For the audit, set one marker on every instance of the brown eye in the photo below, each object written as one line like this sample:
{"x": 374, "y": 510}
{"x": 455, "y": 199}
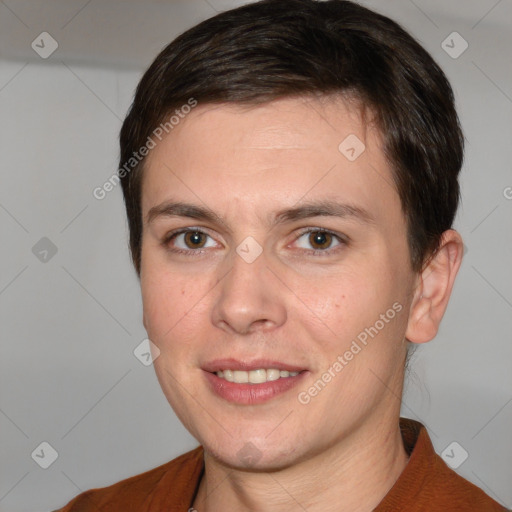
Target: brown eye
{"x": 194, "y": 239}
{"x": 320, "y": 239}
{"x": 188, "y": 241}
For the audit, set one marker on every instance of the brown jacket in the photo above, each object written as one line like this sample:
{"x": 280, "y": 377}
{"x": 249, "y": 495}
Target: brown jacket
{"x": 427, "y": 484}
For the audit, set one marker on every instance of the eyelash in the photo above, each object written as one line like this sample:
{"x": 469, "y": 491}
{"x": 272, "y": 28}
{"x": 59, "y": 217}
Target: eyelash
{"x": 342, "y": 239}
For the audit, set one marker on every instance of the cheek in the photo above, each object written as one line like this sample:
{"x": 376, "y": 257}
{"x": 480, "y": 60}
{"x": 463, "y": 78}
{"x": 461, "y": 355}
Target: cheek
{"x": 338, "y": 299}
{"x": 175, "y": 306}
{"x": 164, "y": 301}
{"x": 346, "y": 305}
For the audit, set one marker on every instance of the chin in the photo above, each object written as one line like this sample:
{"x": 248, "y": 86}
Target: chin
{"x": 256, "y": 455}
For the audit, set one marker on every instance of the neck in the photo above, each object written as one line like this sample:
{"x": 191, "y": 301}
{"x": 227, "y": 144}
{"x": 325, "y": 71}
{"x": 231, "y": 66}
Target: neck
{"x": 353, "y": 475}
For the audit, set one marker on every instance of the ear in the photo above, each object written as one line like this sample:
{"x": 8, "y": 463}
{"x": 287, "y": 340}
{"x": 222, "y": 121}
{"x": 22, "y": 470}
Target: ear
{"x": 433, "y": 289}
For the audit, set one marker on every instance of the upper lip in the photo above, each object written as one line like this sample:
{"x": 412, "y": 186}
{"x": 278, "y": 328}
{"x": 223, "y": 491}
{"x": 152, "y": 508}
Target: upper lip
{"x": 248, "y": 365}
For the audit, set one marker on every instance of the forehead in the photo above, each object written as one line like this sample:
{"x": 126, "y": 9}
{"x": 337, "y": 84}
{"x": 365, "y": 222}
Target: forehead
{"x": 279, "y": 152}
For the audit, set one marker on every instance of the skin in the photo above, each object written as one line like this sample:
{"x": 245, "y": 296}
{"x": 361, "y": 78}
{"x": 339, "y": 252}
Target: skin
{"x": 290, "y": 304}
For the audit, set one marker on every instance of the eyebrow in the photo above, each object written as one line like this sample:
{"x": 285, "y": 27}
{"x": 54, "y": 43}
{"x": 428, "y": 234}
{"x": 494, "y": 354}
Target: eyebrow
{"x": 308, "y": 209}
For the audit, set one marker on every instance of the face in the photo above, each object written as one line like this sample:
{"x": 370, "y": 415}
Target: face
{"x": 275, "y": 252}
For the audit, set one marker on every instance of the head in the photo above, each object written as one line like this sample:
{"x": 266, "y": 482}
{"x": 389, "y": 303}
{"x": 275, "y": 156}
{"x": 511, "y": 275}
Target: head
{"x": 292, "y": 106}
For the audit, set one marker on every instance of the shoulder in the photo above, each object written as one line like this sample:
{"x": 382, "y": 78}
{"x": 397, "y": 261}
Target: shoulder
{"x": 427, "y": 484}
{"x": 457, "y": 492}
{"x": 175, "y": 480}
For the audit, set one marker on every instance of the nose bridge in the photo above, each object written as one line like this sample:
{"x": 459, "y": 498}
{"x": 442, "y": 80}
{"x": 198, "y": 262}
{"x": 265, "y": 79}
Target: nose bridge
{"x": 247, "y": 274}
{"x": 247, "y": 295}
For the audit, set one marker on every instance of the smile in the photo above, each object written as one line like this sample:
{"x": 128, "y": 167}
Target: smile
{"x": 254, "y": 376}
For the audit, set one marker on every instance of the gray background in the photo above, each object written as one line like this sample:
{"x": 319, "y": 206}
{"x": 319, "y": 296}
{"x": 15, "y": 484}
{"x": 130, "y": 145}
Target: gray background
{"x": 70, "y": 323}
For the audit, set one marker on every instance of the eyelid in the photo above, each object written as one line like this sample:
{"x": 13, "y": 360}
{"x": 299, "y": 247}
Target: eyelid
{"x": 179, "y": 231}
{"x": 314, "y": 229}
{"x": 171, "y": 235}
{"x": 342, "y": 239}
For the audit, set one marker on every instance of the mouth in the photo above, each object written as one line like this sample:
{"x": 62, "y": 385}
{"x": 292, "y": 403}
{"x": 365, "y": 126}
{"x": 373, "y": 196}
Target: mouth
{"x": 254, "y": 376}
{"x": 250, "y": 383}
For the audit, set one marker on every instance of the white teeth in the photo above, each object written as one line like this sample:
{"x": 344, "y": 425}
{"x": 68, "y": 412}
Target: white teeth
{"x": 272, "y": 374}
{"x": 240, "y": 377}
{"x": 228, "y": 375}
{"x": 254, "y": 376}
{"x": 257, "y": 376}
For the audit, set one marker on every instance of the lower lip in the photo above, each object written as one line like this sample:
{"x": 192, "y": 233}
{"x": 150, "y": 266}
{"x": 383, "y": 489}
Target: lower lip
{"x": 250, "y": 394}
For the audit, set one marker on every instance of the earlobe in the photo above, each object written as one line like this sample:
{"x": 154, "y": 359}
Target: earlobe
{"x": 433, "y": 289}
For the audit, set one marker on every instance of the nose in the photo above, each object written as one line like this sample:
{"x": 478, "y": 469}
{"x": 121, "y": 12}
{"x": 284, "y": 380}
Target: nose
{"x": 250, "y": 298}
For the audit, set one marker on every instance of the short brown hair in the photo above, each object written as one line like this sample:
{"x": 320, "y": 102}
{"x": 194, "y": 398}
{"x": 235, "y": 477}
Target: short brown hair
{"x": 281, "y": 48}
